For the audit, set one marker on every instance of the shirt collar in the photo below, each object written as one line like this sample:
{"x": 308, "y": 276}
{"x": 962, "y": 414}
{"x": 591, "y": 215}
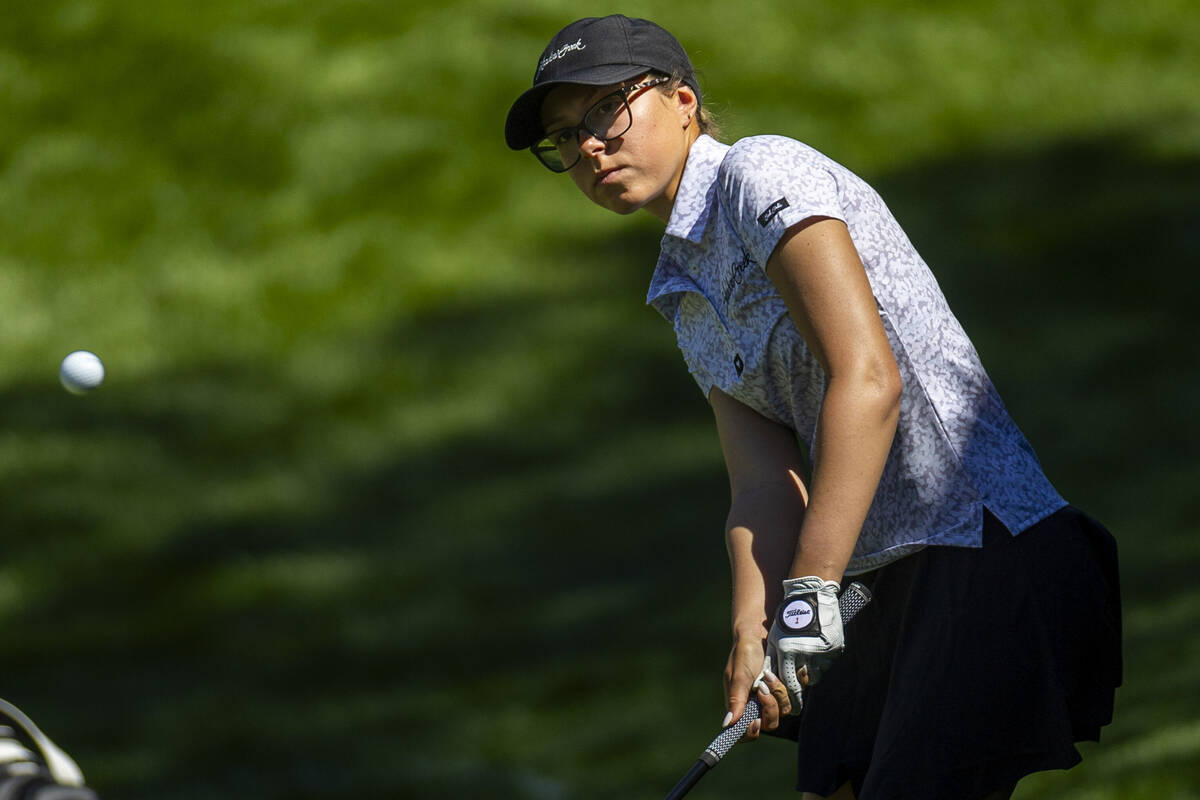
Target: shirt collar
{"x": 697, "y": 187}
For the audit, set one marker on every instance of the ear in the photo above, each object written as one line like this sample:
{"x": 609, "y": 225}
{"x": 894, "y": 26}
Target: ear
{"x": 685, "y": 104}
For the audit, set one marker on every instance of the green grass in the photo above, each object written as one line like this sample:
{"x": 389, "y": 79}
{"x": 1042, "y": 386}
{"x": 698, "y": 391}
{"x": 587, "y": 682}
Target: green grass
{"x": 395, "y": 487}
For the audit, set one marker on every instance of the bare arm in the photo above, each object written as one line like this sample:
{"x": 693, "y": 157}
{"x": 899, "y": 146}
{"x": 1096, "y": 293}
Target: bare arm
{"x": 821, "y": 278}
{"x": 770, "y": 535}
{"x": 765, "y": 513}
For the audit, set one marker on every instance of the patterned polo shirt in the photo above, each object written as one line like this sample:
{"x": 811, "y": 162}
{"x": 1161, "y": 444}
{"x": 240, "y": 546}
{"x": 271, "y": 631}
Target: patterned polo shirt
{"x": 956, "y": 449}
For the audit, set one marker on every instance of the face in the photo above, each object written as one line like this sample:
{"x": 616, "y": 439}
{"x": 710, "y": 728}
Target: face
{"x": 642, "y": 167}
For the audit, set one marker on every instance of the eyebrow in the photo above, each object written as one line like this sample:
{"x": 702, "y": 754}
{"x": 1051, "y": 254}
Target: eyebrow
{"x": 596, "y": 93}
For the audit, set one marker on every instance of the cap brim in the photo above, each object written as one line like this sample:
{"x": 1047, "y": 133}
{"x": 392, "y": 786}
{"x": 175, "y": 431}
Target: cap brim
{"x": 524, "y": 124}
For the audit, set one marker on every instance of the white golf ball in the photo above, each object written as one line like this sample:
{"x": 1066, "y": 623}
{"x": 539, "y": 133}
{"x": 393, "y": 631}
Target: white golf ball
{"x": 81, "y": 372}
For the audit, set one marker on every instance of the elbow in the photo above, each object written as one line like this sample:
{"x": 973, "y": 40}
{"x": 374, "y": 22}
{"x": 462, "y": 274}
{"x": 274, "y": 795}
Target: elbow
{"x": 878, "y": 386}
{"x": 889, "y": 386}
{"x": 886, "y": 387}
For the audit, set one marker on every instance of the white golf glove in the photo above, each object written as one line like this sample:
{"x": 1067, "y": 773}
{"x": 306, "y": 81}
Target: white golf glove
{"x": 806, "y": 634}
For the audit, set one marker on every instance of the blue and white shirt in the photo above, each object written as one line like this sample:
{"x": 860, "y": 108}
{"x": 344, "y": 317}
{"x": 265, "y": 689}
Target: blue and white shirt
{"x": 956, "y": 449}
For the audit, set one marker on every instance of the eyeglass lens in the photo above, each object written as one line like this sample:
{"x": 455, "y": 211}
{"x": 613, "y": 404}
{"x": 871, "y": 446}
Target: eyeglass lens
{"x": 607, "y": 119}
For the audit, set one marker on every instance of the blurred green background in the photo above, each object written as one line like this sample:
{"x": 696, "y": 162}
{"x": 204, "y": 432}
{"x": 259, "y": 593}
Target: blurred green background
{"x": 397, "y": 489}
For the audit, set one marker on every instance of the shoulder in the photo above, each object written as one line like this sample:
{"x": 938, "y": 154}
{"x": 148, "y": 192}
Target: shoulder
{"x": 763, "y": 154}
{"x": 766, "y": 183}
{"x": 772, "y": 163}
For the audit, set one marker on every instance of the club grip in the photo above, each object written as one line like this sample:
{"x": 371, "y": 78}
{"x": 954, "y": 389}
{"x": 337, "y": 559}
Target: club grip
{"x": 730, "y": 736}
{"x": 852, "y": 600}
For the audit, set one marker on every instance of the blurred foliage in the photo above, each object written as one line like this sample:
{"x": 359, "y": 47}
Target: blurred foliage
{"x": 396, "y": 489}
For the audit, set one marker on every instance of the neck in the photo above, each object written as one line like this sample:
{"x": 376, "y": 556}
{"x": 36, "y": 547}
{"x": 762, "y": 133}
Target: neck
{"x": 660, "y": 208}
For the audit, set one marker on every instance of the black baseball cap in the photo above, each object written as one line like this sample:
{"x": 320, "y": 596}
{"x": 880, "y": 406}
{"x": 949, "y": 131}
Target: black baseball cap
{"x": 596, "y": 51}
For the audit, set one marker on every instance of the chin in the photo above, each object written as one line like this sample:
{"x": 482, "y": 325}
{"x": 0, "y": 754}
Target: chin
{"x": 619, "y": 205}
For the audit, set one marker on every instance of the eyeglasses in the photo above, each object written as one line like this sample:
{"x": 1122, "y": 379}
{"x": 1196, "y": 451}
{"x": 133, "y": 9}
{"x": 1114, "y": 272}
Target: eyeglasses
{"x": 607, "y": 119}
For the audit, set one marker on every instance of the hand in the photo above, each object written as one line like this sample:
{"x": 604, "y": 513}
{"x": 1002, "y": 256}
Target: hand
{"x": 806, "y": 634}
{"x": 744, "y": 676}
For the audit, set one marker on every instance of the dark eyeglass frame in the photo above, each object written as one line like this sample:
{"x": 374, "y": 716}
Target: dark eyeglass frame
{"x": 537, "y": 148}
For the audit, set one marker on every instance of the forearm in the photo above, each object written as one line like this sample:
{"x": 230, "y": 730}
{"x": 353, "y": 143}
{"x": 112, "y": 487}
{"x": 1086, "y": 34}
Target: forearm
{"x": 854, "y": 435}
{"x": 761, "y": 535}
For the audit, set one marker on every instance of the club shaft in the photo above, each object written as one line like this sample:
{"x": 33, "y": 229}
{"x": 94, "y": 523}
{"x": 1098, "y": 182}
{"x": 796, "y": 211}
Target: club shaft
{"x": 689, "y": 780}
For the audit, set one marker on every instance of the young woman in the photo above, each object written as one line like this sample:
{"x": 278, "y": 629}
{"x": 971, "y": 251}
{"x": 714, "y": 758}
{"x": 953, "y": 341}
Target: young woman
{"x": 826, "y": 349}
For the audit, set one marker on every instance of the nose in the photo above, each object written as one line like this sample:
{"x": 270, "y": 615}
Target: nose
{"x": 590, "y": 145}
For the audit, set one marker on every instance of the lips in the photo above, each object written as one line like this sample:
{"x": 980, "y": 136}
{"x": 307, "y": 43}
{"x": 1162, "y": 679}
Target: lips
{"x": 604, "y": 176}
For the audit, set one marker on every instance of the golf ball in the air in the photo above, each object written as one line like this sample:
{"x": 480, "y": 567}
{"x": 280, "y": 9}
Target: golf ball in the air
{"x": 81, "y": 372}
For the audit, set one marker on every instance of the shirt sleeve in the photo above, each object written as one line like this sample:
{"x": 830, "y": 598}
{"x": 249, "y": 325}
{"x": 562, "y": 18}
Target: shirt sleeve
{"x": 770, "y": 183}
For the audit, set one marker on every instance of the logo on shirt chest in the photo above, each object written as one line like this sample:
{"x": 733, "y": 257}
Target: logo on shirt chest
{"x": 736, "y": 276}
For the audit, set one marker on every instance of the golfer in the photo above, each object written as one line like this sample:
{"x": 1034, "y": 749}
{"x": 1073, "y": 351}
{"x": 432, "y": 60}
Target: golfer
{"x": 862, "y": 438}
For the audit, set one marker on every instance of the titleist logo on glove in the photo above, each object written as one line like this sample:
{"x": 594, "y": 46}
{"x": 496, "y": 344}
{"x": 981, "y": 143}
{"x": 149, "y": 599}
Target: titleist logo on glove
{"x": 798, "y": 615}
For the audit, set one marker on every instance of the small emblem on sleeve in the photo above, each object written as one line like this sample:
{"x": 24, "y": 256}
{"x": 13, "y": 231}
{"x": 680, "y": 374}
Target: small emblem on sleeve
{"x": 772, "y": 211}
{"x": 738, "y": 364}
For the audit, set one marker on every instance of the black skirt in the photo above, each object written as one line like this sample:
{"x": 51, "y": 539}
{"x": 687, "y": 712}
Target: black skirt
{"x": 971, "y": 668}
